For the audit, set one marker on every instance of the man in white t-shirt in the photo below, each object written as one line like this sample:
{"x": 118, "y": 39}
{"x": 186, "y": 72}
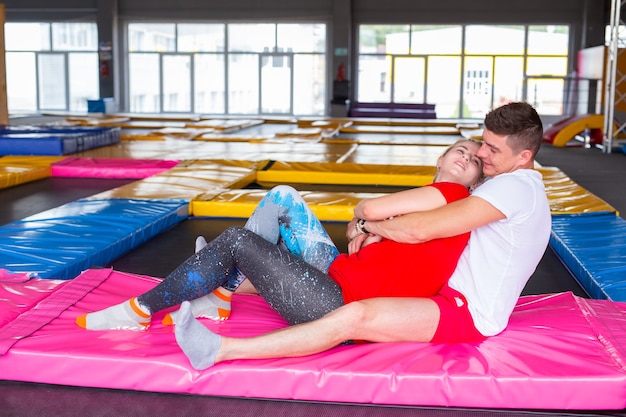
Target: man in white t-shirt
{"x": 509, "y": 219}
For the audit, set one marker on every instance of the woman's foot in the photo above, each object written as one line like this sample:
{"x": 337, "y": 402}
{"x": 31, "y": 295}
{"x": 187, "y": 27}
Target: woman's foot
{"x": 214, "y": 306}
{"x": 129, "y": 315}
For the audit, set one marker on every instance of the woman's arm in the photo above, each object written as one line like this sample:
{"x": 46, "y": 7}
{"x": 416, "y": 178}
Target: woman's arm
{"x": 402, "y": 202}
{"x": 392, "y": 205}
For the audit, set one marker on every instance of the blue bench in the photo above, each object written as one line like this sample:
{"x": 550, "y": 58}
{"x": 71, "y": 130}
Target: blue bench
{"x": 393, "y": 110}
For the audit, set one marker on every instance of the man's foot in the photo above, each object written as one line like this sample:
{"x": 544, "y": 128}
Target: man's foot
{"x": 197, "y": 342}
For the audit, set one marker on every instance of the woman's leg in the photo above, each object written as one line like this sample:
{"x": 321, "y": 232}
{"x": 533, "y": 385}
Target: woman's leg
{"x": 283, "y": 218}
{"x": 295, "y": 289}
{"x": 298, "y": 291}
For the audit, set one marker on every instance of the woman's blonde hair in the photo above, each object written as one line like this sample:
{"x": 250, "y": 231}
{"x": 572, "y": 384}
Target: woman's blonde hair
{"x": 481, "y": 176}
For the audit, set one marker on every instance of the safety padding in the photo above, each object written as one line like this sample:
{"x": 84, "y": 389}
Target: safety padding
{"x": 327, "y": 206}
{"x": 558, "y": 352}
{"x": 188, "y": 180}
{"x": 567, "y": 197}
{"x": 564, "y": 130}
{"x": 15, "y": 170}
{"x": 593, "y": 248}
{"x": 32, "y": 140}
{"x": 62, "y": 242}
{"x": 110, "y": 167}
{"x": 346, "y": 173}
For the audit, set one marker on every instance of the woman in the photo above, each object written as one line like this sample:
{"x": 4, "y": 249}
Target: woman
{"x": 286, "y": 254}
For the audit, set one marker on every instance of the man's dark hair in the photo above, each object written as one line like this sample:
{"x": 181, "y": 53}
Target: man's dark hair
{"x": 520, "y": 122}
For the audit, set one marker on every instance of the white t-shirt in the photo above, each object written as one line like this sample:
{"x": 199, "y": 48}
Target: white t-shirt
{"x": 501, "y": 256}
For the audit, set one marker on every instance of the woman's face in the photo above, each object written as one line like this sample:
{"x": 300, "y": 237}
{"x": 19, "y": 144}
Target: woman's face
{"x": 460, "y": 164}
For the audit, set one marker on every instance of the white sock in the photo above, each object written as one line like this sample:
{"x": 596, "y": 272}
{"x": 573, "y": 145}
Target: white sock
{"x": 214, "y": 306}
{"x": 197, "y": 342}
{"x": 129, "y": 315}
{"x": 200, "y": 243}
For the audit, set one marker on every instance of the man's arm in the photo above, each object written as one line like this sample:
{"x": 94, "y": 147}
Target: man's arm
{"x": 450, "y": 220}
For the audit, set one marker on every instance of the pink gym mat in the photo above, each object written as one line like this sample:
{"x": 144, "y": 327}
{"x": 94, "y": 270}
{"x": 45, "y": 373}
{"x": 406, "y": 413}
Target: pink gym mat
{"x": 110, "y": 167}
{"x": 559, "y": 352}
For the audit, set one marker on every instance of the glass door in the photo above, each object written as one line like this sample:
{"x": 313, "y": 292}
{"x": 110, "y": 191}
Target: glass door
{"x": 276, "y": 73}
{"x": 409, "y": 79}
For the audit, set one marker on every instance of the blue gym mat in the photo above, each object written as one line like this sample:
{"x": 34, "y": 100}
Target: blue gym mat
{"x": 31, "y": 140}
{"x": 593, "y": 248}
{"x": 62, "y": 242}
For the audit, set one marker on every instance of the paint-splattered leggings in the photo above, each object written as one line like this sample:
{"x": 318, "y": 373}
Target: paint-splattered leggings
{"x": 283, "y": 250}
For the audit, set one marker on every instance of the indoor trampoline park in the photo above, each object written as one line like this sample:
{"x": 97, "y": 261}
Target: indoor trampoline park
{"x": 129, "y": 128}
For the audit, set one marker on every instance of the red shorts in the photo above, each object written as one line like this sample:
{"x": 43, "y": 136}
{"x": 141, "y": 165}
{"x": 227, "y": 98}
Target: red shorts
{"x": 455, "y": 321}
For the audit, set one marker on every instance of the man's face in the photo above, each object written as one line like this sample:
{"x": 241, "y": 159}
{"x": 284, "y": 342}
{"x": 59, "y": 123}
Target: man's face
{"x": 497, "y": 155}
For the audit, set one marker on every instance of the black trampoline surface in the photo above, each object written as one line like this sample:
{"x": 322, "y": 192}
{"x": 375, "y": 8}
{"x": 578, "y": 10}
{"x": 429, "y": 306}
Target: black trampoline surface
{"x": 596, "y": 171}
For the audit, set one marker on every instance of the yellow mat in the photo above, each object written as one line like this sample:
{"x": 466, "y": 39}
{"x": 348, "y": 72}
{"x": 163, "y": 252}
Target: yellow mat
{"x": 394, "y": 154}
{"x": 567, "y": 197}
{"x": 166, "y": 133}
{"x": 248, "y": 151}
{"x": 327, "y": 206}
{"x": 346, "y": 173}
{"x": 402, "y": 130}
{"x": 225, "y": 125}
{"x": 188, "y": 180}
{"x": 15, "y": 170}
{"x": 392, "y": 139}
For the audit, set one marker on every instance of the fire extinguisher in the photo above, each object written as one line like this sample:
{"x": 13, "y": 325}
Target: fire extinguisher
{"x": 104, "y": 69}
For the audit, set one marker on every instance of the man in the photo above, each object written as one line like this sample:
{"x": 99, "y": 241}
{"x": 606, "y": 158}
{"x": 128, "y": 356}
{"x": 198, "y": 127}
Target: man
{"x": 509, "y": 219}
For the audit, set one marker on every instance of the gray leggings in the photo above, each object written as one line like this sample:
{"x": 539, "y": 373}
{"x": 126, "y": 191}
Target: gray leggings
{"x": 287, "y": 262}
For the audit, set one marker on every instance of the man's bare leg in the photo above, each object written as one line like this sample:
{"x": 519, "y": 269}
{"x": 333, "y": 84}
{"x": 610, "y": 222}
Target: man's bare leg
{"x": 376, "y": 320}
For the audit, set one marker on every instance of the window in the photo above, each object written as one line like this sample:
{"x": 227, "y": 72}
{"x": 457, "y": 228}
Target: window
{"x": 237, "y": 68}
{"x": 51, "y": 66}
{"x": 460, "y": 69}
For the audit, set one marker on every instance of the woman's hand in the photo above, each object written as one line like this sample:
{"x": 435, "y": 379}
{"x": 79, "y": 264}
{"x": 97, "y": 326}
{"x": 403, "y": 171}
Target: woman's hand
{"x": 361, "y": 241}
{"x": 351, "y": 231}
{"x": 371, "y": 238}
{"x": 354, "y": 245}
